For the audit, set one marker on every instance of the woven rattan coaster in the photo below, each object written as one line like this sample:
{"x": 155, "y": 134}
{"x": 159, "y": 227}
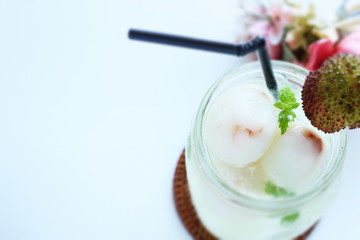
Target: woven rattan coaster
{"x": 186, "y": 209}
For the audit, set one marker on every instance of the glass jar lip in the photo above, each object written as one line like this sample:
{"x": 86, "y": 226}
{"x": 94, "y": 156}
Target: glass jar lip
{"x": 247, "y": 200}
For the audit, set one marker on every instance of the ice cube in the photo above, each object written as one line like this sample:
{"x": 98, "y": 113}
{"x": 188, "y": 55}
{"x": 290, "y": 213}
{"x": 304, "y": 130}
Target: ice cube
{"x": 241, "y": 124}
{"x": 295, "y": 159}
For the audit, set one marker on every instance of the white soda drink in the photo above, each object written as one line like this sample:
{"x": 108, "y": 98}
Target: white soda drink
{"x": 247, "y": 181}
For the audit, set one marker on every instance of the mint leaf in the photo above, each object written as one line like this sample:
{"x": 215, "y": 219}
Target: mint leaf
{"x": 287, "y": 104}
{"x": 294, "y": 105}
{"x": 280, "y": 105}
{"x": 275, "y": 191}
{"x": 290, "y": 218}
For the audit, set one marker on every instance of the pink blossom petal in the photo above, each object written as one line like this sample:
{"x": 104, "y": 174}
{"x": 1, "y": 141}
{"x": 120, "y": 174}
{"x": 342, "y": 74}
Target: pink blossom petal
{"x": 260, "y": 28}
{"x": 350, "y": 44}
{"x": 276, "y": 9}
{"x": 275, "y": 34}
{"x": 287, "y": 16}
{"x": 280, "y": 18}
{"x": 319, "y": 51}
{"x": 261, "y": 10}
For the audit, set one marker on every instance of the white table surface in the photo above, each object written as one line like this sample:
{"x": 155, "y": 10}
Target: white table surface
{"x": 92, "y": 124}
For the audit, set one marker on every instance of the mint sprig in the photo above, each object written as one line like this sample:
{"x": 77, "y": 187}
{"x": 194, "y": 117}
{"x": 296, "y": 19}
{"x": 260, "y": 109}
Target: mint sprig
{"x": 275, "y": 191}
{"x": 290, "y": 218}
{"x": 287, "y": 103}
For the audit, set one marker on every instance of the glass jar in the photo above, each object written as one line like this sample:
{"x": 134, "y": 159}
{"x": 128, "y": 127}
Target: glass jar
{"x": 230, "y": 214}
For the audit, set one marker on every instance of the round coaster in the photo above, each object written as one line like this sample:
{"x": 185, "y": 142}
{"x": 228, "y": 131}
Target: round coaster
{"x": 186, "y": 209}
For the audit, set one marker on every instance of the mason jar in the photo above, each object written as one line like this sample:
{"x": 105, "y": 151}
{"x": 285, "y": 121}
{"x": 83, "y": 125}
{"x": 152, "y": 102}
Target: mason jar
{"x": 229, "y": 213}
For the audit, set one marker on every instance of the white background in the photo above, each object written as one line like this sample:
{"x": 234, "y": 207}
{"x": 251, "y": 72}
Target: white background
{"x": 92, "y": 124}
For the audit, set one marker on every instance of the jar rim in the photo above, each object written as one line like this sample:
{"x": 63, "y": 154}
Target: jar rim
{"x": 248, "y": 200}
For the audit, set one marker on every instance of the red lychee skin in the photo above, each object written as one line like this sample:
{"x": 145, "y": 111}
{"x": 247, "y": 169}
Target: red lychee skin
{"x": 313, "y": 103}
{"x": 331, "y": 94}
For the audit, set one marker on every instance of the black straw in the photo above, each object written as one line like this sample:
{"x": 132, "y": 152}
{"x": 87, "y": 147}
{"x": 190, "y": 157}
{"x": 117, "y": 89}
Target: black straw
{"x": 258, "y": 43}
{"x": 267, "y": 71}
{"x": 200, "y": 44}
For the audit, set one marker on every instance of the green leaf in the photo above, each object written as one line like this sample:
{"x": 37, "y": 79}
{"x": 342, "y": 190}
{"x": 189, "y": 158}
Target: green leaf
{"x": 289, "y": 114}
{"x": 294, "y": 105}
{"x": 275, "y": 191}
{"x": 280, "y": 105}
{"x": 290, "y": 218}
{"x": 287, "y": 104}
{"x": 286, "y": 95}
{"x": 283, "y": 123}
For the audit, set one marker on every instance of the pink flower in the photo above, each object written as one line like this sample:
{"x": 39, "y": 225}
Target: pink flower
{"x": 280, "y": 17}
{"x": 270, "y": 23}
{"x": 350, "y": 44}
{"x": 324, "y": 48}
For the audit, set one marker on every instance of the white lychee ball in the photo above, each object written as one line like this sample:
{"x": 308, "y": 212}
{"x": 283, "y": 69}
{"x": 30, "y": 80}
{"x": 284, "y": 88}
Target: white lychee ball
{"x": 240, "y": 125}
{"x": 295, "y": 159}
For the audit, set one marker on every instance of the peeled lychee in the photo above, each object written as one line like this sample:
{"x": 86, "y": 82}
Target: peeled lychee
{"x": 240, "y": 125}
{"x": 295, "y": 159}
